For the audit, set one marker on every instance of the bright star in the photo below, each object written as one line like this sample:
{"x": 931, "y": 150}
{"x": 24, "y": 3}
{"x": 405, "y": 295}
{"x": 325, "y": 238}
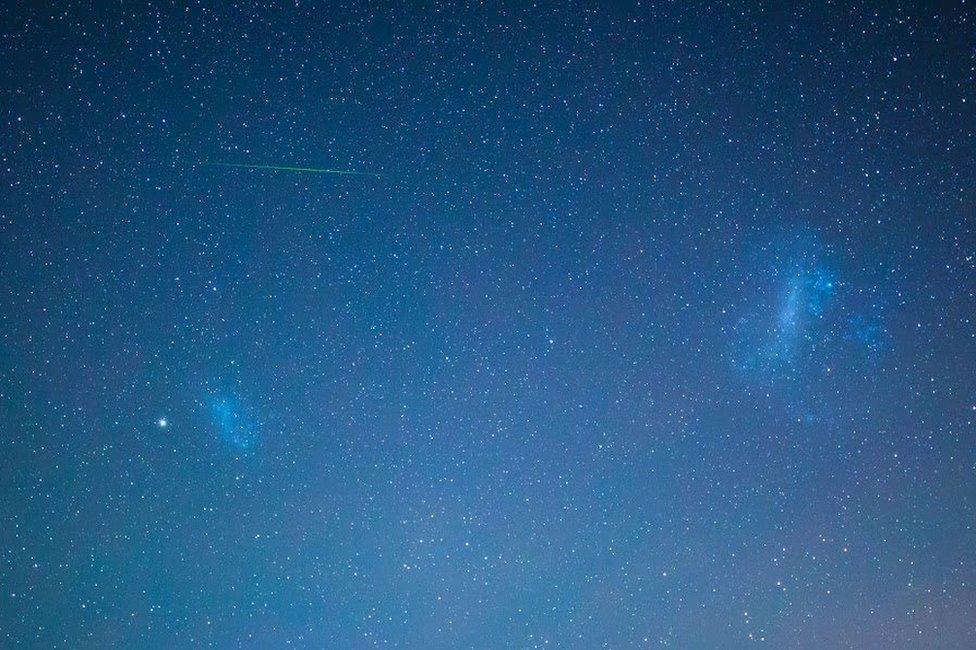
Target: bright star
{"x": 162, "y": 423}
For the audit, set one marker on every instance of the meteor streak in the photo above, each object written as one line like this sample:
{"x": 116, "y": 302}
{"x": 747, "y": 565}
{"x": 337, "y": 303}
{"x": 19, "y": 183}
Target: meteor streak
{"x": 283, "y": 168}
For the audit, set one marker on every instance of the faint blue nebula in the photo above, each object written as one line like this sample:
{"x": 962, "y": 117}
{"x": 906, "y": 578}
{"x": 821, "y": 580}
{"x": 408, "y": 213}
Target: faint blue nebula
{"x": 235, "y": 424}
{"x": 805, "y": 296}
{"x": 802, "y": 319}
{"x": 775, "y": 337}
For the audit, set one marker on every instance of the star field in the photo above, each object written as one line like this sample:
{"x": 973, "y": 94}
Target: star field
{"x": 626, "y": 325}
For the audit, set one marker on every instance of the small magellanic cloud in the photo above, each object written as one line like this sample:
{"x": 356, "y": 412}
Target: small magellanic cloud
{"x": 236, "y": 425}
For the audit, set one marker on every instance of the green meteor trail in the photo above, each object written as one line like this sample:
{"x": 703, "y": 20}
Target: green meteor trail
{"x": 283, "y": 168}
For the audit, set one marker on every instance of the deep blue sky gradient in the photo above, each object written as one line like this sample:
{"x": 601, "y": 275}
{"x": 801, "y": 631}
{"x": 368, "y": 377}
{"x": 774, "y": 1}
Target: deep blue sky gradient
{"x": 655, "y": 329}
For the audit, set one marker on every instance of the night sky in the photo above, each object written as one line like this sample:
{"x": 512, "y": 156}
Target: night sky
{"x": 636, "y": 325}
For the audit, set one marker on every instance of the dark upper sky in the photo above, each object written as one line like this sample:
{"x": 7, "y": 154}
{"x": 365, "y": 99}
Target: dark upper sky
{"x": 655, "y": 326}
